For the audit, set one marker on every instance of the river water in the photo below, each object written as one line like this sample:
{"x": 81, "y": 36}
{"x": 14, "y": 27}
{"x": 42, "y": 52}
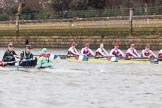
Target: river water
{"x": 81, "y": 85}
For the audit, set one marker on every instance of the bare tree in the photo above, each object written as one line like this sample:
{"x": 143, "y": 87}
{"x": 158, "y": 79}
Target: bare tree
{"x": 65, "y": 5}
{"x": 8, "y": 5}
{"x": 33, "y": 6}
{"x": 78, "y": 4}
{"x": 21, "y": 5}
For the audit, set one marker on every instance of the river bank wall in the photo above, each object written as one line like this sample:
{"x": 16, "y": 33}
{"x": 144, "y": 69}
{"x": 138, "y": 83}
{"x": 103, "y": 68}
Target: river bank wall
{"x": 94, "y": 41}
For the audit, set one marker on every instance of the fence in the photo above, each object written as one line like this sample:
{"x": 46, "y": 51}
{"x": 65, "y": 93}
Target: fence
{"x": 86, "y": 23}
{"x": 85, "y": 14}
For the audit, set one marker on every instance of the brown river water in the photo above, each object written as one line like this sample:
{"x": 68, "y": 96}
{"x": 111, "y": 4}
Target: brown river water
{"x": 81, "y": 85}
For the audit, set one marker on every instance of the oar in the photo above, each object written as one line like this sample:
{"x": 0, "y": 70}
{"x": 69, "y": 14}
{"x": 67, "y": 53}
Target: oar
{"x": 115, "y": 58}
{"x": 135, "y": 58}
{"x": 160, "y": 59}
{"x": 98, "y": 57}
{"x": 2, "y": 63}
{"x": 152, "y": 60}
{"x": 143, "y": 58}
{"x": 55, "y": 56}
{"x": 5, "y": 63}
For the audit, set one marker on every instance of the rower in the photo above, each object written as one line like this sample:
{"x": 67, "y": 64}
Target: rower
{"x": 101, "y": 52}
{"x": 132, "y": 52}
{"x": 116, "y": 51}
{"x": 10, "y": 55}
{"x": 44, "y": 60}
{"x": 27, "y": 58}
{"x": 87, "y": 51}
{"x": 72, "y": 51}
{"x": 160, "y": 54}
{"x": 147, "y": 53}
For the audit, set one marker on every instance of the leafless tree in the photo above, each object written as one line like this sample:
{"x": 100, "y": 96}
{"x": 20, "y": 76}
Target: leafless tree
{"x": 8, "y": 5}
{"x": 65, "y": 5}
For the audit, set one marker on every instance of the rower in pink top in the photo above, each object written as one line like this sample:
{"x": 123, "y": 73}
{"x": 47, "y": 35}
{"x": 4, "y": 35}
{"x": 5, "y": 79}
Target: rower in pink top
{"x": 147, "y": 52}
{"x": 132, "y": 52}
{"x": 101, "y": 52}
{"x": 116, "y": 51}
{"x": 87, "y": 51}
{"x": 72, "y": 51}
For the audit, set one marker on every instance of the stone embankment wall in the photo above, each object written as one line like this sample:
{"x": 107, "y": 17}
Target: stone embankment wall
{"x": 94, "y": 41}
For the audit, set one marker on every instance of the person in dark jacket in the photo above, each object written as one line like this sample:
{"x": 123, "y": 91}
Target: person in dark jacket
{"x": 10, "y": 55}
{"x": 27, "y": 58}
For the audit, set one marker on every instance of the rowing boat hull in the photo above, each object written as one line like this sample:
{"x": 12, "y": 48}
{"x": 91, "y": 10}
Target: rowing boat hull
{"x": 93, "y": 60}
{"x": 25, "y": 69}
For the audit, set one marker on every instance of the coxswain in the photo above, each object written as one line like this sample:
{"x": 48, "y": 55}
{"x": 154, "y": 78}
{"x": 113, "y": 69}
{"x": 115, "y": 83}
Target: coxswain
{"x": 44, "y": 60}
{"x": 116, "y": 51}
{"x": 87, "y": 51}
{"x": 132, "y": 52}
{"x": 101, "y": 52}
{"x": 10, "y": 55}
{"x": 27, "y": 58}
{"x": 147, "y": 53}
{"x": 72, "y": 51}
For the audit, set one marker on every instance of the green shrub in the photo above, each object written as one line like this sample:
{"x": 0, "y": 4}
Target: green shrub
{"x": 4, "y": 17}
{"x": 26, "y": 17}
{"x": 43, "y": 16}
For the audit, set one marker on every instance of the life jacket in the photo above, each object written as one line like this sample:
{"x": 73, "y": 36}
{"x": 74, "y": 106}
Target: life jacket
{"x": 25, "y": 56}
{"x": 116, "y": 54}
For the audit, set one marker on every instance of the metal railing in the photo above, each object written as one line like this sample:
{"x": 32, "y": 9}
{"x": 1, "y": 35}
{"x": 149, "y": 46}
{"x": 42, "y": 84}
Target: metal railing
{"x": 91, "y": 22}
{"x": 140, "y": 11}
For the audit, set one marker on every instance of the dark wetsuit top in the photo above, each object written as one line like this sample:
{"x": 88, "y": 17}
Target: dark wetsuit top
{"x": 9, "y": 56}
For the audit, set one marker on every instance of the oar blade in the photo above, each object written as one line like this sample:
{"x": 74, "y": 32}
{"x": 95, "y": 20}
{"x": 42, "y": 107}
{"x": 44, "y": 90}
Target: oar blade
{"x": 154, "y": 61}
{"x": 113, "y": 59}
{"x": 56, "y": 57}
{"x": 81, "y": 57}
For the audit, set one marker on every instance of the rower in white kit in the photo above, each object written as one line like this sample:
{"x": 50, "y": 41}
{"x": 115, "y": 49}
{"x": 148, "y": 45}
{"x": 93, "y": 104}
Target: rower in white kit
{"x": 101, "y": 52}
{"x": 87, "y": 51}
{"x": 72, "y": 51}
{"x": 147, "y": 53}
{"x": 116, "y": 51}
{"x": 132, "y": 52}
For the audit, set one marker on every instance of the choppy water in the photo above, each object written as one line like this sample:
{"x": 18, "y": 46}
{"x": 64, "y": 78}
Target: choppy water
{"x": 82, "y": 85}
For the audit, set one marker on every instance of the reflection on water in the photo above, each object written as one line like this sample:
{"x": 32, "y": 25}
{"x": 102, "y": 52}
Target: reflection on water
{"x": 82, "y": 85}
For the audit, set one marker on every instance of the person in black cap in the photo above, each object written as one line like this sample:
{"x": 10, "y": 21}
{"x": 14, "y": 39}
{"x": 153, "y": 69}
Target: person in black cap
{"x": 26, "y": 57}
{"x": 10, "y": 55}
